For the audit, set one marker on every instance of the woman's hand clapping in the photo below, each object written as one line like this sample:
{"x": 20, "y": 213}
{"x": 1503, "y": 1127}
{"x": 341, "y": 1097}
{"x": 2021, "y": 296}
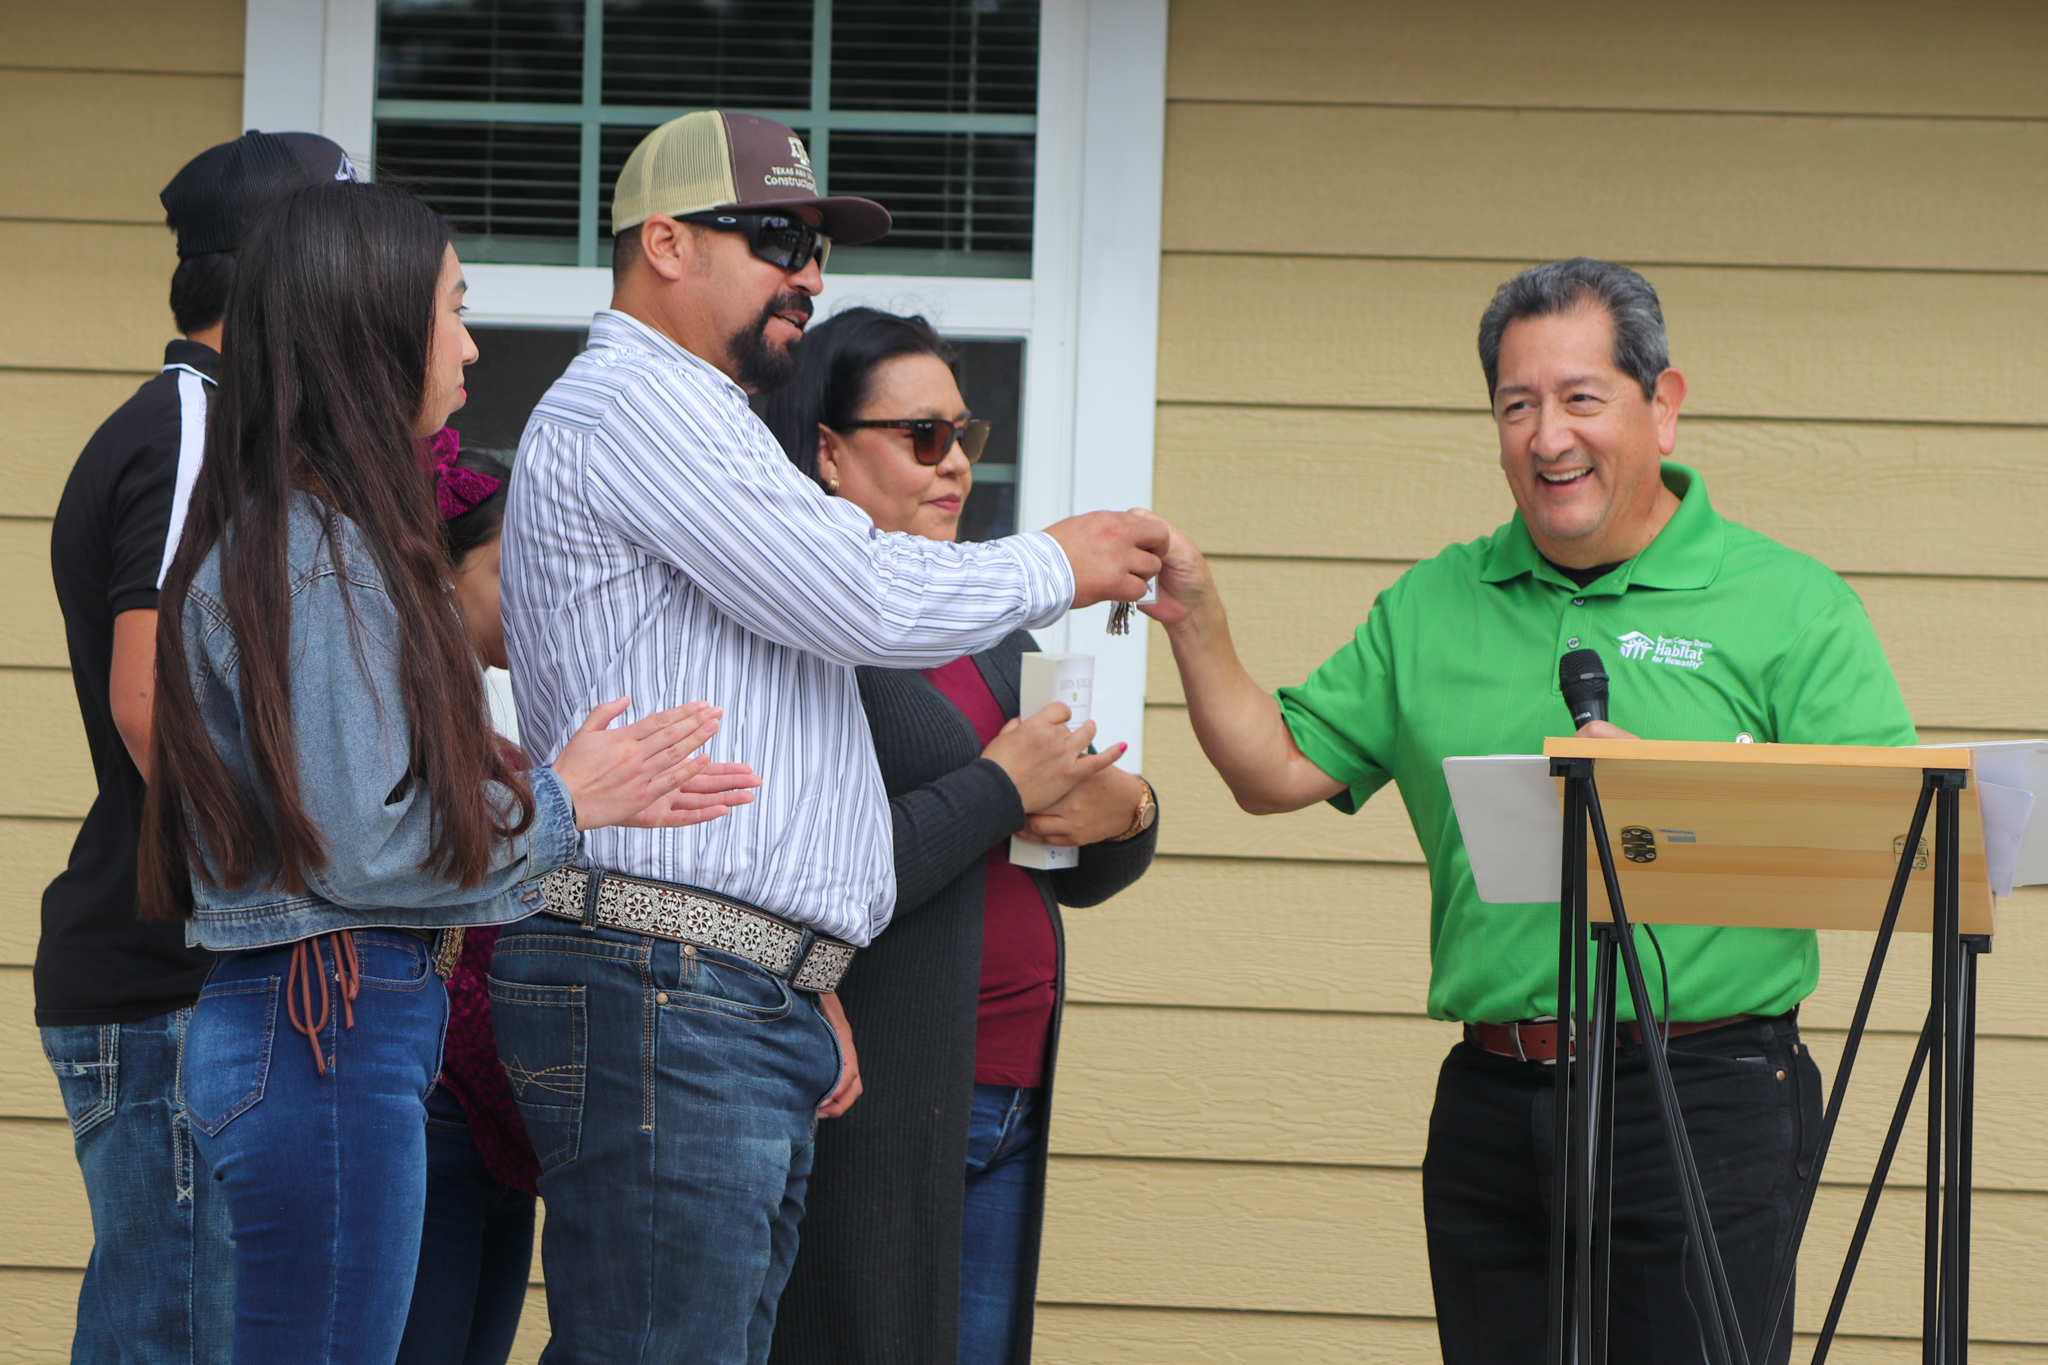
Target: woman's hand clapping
{"x": 646, "y": 774}
{"x": 708, "y": 795}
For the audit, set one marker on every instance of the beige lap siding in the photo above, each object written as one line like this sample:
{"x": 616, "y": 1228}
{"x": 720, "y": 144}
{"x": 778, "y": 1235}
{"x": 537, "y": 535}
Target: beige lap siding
{"x": 1841, "y": 204}
{"x": 103, "y": 100}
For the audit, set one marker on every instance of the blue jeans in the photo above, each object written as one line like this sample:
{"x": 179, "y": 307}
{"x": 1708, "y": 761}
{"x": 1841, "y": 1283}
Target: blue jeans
{"x": 1003, "y": 1138}
{"x": 475, "y": 1252}
{"x": 325, "y": 1175}
{"x": 671, "y": 1094}
{"x": 160, "y": 1285}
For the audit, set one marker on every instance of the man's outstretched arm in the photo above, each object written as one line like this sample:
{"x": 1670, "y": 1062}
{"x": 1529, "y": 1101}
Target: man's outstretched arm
{"x": 1237, "y": 722}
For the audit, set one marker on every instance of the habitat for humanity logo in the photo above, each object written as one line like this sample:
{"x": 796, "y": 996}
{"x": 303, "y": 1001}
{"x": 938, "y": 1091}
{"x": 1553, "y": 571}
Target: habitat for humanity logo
{"x": 1675, "y": 650}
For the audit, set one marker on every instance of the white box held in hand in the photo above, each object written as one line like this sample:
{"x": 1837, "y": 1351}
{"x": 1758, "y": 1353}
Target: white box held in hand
{"x": 1042, "y": 680}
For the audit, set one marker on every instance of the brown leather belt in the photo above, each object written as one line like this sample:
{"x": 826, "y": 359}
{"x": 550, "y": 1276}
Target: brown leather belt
{"x": 1536, "y": 1041}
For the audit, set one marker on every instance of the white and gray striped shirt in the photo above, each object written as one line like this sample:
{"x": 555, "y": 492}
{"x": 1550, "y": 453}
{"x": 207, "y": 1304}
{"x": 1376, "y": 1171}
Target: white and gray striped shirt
{"x": 659, "y": 545}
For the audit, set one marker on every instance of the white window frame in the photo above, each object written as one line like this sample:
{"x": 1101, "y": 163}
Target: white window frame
{"x": 1089, "y": 314}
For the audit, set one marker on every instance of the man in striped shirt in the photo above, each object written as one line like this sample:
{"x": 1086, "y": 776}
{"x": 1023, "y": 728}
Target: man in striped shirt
{"x": 670, "y": 1057}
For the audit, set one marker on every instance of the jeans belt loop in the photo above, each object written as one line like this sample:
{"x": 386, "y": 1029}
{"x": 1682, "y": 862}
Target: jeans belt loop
{"x": 803, "y": 950}
{"x": 593, "y": 881}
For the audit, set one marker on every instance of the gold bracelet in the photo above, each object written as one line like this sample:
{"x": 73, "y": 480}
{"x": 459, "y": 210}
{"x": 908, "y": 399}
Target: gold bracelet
{"x": 1142, "y": 818}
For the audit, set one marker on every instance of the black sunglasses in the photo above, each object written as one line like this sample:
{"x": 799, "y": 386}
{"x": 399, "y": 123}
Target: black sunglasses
{"x": 932, "y": 437}
{"x": 783, "y": 240}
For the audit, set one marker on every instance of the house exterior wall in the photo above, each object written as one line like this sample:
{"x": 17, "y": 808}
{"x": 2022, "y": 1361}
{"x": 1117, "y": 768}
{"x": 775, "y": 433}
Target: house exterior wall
{"x": 1842, "y": 205}
{"x": 102, "y": 101}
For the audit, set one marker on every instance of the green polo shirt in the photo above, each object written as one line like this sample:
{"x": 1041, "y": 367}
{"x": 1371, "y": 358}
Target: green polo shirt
{"x": 1712, "y": 631}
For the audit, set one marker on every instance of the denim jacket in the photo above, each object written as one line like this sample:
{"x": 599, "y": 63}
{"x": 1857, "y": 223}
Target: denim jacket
{"x": 349, "y": 724}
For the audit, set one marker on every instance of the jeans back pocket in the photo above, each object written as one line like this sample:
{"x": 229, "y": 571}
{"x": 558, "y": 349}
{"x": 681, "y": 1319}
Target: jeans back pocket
{"x": 227, "y": 1054}
{"x": 87, "y": 1060}
{"x": 542, "y": 1040}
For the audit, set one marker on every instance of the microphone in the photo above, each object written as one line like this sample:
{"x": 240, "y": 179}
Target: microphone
{"x": 1583, "y": 679}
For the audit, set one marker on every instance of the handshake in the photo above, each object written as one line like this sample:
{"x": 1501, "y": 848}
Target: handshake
{"x": 1114, "y": 555}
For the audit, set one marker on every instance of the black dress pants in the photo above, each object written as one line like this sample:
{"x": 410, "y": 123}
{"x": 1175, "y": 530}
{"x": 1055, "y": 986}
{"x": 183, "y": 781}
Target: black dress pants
{"x": 1751, "y": 1096}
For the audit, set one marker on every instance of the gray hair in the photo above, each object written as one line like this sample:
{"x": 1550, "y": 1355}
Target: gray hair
{"x": 1640, "y": 348}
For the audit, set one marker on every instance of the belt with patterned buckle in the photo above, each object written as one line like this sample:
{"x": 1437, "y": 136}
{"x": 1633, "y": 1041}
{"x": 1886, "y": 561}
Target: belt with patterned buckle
{"x": 805, "y": 958}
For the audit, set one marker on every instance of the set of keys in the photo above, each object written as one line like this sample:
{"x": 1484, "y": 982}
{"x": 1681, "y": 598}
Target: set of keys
{"x": 1120, "y": 612}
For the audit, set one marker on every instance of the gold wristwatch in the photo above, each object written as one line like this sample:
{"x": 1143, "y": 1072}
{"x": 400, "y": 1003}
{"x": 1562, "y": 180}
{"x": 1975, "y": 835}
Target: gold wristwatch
{"x": 1141, "y": 820}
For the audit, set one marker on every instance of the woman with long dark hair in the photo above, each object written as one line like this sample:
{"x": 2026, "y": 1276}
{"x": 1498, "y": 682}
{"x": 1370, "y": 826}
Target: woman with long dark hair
{"x": 920, "y": 1235}
{"x": 328, "y": 805}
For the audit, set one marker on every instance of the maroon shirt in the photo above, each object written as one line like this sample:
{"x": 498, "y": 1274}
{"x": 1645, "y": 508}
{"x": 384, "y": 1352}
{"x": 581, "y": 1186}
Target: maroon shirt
{"x": 470, "y": 1070}
{"x": 1019, "y": 956}
{"x": 469, "y": 1056}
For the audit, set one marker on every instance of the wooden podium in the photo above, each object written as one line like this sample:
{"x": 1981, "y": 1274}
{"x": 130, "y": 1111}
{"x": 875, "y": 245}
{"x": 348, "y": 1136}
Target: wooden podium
{"x": 1781, "y": 836}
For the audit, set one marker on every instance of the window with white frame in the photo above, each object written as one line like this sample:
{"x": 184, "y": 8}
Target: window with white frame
{"x": 514, "y": 117}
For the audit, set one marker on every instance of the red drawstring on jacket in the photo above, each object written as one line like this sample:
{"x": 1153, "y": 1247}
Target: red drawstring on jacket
{"x": 298, "y": 988}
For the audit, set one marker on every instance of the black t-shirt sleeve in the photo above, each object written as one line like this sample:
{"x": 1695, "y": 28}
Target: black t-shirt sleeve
{"x": 139, "y": 514}
{"x": 95, "y": 962}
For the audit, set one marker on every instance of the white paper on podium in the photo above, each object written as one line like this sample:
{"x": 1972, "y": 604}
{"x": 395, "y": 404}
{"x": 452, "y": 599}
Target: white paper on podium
{"x": 2005, "y": 812}
{"x": 2014, "y": 843}
{"x": 1514, "y": 830}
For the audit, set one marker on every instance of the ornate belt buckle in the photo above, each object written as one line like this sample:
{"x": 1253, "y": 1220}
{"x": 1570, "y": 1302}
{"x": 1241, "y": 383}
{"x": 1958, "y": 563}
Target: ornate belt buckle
{"x": 447, "y": 949}
{"x": 820, "y": 965}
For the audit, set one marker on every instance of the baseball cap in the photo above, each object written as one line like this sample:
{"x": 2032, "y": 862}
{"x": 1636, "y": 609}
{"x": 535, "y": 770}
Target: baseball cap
{"x": 715, "y": 160}
{"x": 210, "y": 200}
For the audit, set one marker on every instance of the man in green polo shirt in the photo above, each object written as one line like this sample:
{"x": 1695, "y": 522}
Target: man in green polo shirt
{"x": 1709, "y": 631}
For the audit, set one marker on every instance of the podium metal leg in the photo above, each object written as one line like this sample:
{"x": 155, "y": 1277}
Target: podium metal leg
{"x": 1599, "y": 1084}
{"x": 1593, "y": 1175}
{"x": 1724, "y": 1330}
{"x": 1592, "y": 1157}
{"x": 1585, "y": 1023}
{"x": 1974, "y": 946}
{"x": 1892, "y": 1136}
{"x": 1782, "y": 1278}
{"x": 1562, "y": 1346}
{"x": 1944, "y": 1106}
{"x": 1947, "y": 1051}
{"x": 1955, "y": 989}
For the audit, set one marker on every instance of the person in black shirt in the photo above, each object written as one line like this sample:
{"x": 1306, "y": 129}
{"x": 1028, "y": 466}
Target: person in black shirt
{"x": 113, "y": 992}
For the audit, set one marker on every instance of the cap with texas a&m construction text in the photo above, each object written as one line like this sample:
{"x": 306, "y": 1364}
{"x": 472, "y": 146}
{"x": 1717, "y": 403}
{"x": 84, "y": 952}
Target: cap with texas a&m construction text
{"x": 715, "y": 160}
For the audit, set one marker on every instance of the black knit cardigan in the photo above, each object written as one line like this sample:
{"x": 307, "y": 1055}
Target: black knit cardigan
{"x": 877, "y": 1276}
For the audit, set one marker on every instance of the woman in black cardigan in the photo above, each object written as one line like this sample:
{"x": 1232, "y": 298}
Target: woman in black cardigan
{"x": 919, "y": 1243}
